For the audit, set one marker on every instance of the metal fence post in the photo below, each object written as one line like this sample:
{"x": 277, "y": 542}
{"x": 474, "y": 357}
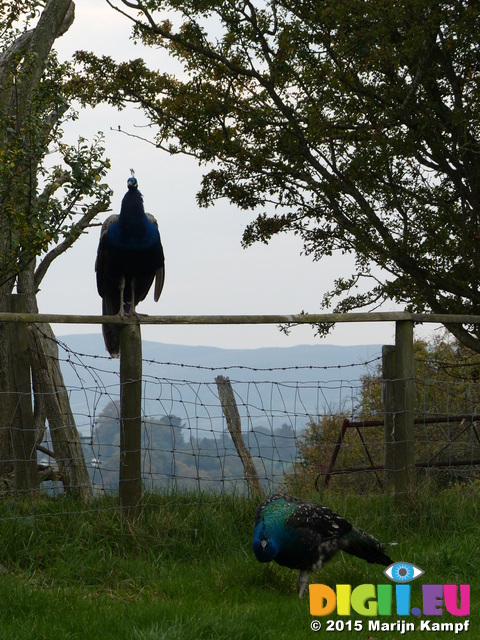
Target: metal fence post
{"x": 130, "y": 478}
{"x": 404, "y": 413}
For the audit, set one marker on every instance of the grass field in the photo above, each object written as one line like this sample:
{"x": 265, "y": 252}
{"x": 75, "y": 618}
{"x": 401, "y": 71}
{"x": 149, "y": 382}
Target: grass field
{"x": 186, "y": 570}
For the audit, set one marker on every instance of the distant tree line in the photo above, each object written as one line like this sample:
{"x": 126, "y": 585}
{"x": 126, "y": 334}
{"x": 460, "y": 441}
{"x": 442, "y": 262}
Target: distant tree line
{"x": 173, "y": 456}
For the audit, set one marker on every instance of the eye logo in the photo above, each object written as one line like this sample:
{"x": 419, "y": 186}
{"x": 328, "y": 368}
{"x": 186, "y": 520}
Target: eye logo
{"x": 403, "y": 572}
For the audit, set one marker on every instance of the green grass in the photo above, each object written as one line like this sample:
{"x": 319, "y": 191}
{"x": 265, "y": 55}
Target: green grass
{"x": 186, "y": 570}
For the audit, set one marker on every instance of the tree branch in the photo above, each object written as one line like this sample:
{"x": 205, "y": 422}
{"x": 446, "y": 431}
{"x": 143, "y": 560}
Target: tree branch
{"x": 75, "y": 231}
{"x": 54, "y": 21}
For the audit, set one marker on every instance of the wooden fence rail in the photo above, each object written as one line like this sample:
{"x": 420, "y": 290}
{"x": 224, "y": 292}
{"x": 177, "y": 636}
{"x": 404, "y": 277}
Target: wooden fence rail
{"x": 294, "y": 319}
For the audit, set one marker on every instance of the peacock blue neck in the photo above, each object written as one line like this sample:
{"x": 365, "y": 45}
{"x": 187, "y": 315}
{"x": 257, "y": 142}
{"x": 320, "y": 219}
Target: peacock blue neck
{"x": 132, "y": 207}
{"x": 271, "y": 530}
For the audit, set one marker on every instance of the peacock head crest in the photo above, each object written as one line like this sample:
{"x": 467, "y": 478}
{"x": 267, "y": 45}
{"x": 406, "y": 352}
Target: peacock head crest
{"x": 132, "y": 182}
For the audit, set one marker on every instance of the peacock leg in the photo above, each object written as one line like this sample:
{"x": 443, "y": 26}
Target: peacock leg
{"x": 133, "y": 311}
{"x": 302, "y": 582}
{"x": 121, "y": 311}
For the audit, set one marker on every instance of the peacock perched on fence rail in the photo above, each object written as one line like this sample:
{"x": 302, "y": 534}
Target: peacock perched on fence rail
{"x": 129, "y": 257}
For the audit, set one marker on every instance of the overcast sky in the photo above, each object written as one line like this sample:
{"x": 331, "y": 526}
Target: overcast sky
{"x": 207, "y": 271}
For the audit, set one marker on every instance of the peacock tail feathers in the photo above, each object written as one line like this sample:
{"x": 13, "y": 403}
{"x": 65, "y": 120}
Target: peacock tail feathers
{"x": 361, "y": 544}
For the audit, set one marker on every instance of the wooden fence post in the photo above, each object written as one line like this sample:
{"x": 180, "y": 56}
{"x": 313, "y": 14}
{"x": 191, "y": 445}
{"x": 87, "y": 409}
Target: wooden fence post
{"x": 130, "y": 477}
{"x": 388, "y": 396}
{"x": 404, "y": 413}
{"x": 24, "y": 442}
{"x": 234, "y": 424}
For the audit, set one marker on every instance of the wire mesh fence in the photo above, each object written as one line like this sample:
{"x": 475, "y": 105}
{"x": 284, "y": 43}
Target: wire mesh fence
{"x": 302, "y": 424}
{"x": 185, "y": 439}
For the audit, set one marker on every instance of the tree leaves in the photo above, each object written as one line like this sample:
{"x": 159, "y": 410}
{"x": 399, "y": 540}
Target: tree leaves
{"x": 353, "y": 124}
{"x": 38, "y": 205}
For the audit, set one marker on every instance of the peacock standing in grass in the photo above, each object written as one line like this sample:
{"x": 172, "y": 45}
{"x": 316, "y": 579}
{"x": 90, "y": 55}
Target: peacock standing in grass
{"x": 304, "y": 536}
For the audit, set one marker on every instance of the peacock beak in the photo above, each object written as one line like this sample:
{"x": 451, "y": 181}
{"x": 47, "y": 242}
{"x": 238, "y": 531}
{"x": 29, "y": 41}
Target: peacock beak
{"x": 263, "y": 544}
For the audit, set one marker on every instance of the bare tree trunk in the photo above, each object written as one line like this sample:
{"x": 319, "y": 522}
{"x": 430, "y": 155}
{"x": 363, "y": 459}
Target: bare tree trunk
{"x": 65, "y": 438}
{"x": 50, "y": 390}
{"x": 22, "y": 429}
{"x": 6, "y": 410}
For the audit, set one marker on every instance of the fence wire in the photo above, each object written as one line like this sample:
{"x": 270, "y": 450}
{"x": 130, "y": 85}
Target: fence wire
{"x": 291, "y": 416}
{"x": 185, "y": 440}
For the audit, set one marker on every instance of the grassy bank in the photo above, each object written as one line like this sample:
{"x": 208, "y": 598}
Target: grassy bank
{"x": 187, "y": 569}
